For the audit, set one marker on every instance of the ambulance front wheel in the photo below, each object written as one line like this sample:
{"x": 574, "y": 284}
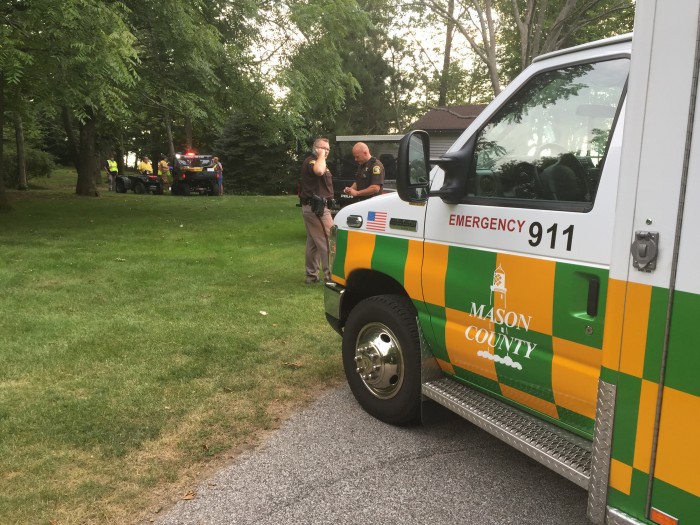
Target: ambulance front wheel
{"x": 381, "y": 358}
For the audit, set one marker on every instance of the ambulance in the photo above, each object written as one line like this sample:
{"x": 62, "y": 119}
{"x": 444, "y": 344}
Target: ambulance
{"x": 541, "y": 278}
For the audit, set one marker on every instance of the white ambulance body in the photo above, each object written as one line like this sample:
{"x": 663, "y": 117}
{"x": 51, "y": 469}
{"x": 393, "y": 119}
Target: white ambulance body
{"x": 541, "y": 281}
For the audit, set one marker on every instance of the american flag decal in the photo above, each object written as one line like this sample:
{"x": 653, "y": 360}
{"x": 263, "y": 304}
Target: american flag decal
{"x": 376, "y": 220}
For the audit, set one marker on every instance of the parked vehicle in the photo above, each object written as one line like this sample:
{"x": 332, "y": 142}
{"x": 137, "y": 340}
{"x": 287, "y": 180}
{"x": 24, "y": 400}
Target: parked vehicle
{"x": 194, "y": 173}
{"x": 140, "y": 183}
{"x": 344, "y": 167}
{"x": 540, "y": 278}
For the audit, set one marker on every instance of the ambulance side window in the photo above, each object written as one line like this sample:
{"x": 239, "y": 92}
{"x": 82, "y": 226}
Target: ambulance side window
{"x": 547, "y": 144}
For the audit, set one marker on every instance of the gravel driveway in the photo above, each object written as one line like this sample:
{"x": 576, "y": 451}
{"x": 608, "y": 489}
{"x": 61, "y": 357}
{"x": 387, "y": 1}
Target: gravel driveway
{"x": 332, "y": 463}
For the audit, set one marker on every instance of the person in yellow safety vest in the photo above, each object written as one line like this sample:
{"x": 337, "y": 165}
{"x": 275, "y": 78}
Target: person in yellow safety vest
{"x": 145, "y": 166}
{"x": 112, "y": 171}
{"x": 164, "y": 172}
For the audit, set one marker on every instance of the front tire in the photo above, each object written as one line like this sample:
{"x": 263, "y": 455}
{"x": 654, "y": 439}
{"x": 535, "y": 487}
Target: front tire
{"x": 139, "y": 188}
{"x": 381, "y": 358}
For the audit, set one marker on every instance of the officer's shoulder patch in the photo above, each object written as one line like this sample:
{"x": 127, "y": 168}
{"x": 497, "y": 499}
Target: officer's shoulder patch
{"x": 376, "y": 170}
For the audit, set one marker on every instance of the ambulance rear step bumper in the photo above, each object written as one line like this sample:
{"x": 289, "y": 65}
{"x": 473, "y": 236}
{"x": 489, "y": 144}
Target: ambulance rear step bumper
{"x": 561, "y": 451}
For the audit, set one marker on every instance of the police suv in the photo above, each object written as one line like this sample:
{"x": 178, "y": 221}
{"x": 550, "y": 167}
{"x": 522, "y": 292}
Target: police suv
{"x": 194, "y": 173}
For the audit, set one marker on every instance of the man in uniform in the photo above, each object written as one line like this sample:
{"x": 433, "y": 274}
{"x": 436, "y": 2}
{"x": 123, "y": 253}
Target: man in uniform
{"x": 369, "y": 178}
{"x": 315, "y": 189}
{"x": 112, "y": 171}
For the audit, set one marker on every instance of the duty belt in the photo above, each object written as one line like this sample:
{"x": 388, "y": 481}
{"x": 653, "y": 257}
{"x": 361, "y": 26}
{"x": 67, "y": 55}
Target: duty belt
{"x": 306, "y": 201}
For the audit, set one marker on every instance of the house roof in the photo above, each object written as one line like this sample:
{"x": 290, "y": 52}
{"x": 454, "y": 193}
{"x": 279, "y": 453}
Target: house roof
{"x": 448, "y": 118}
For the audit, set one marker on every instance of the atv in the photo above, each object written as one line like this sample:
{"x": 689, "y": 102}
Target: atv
{"x": 141, "y": 183}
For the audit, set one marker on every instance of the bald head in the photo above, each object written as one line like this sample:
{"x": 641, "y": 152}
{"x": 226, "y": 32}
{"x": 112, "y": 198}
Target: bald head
{"x": 360, "y": 153}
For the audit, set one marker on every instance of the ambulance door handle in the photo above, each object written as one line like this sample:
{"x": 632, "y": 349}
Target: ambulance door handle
{"x": 645, "y": 249}
{"x": 593, "y": 293}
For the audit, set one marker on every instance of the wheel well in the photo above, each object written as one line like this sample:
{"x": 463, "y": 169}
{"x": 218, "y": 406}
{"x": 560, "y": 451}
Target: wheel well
{"x": 367, "y": 283}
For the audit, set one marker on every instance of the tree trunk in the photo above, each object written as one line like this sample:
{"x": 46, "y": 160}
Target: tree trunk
{"x": 488, "y": 25}
{"x": 21, "y": 158}
{"x": 119, "y": 157}
{"x": 478, "y": 28}
{"x": 188, "y": 132}
{"x": 4, "y": 202}
{"x": 86, "y": 160}
{"x": 169, "y": 134}
{"x": 442, "y": 98}
{"x": 396, "y": 99}
{"x": 96, "y": 165}
{"x": 70, "y": 135}
{"x": 83, "y": 151}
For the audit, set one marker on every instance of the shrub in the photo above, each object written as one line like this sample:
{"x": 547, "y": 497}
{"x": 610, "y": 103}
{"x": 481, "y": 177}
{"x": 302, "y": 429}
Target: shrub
{"x": 39, "y": 164}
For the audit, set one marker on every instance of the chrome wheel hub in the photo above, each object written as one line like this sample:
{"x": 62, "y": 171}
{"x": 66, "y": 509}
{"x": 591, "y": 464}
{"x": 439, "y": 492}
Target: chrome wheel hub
{"x": 379, "y": 360}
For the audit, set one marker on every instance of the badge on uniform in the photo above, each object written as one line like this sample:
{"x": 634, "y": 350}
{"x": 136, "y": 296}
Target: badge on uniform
{"x": 376, "y": 170}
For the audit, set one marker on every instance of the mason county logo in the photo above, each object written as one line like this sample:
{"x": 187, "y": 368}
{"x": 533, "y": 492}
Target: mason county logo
{"x": 514, "y": 348}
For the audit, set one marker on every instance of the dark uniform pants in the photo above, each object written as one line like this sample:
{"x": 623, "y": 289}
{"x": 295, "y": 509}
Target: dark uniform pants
{"x": 317, "y": 231}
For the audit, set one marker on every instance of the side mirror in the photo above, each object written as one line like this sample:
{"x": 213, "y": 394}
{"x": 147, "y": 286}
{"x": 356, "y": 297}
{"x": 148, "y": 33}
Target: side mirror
{"x": 458, "y": 168}
{"x": 414, "y": 163}
{"x": 413, "y": 167}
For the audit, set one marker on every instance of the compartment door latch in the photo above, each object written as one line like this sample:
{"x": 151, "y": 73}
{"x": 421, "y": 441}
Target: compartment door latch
{"x": 645, "y": 249}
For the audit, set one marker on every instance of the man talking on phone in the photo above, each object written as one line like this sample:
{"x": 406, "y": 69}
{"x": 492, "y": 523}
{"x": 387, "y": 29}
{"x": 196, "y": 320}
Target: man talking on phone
{"x": 315, "y": 190}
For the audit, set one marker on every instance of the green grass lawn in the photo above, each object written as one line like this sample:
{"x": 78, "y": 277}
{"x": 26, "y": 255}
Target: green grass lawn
{"x": 143, "y": 341}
